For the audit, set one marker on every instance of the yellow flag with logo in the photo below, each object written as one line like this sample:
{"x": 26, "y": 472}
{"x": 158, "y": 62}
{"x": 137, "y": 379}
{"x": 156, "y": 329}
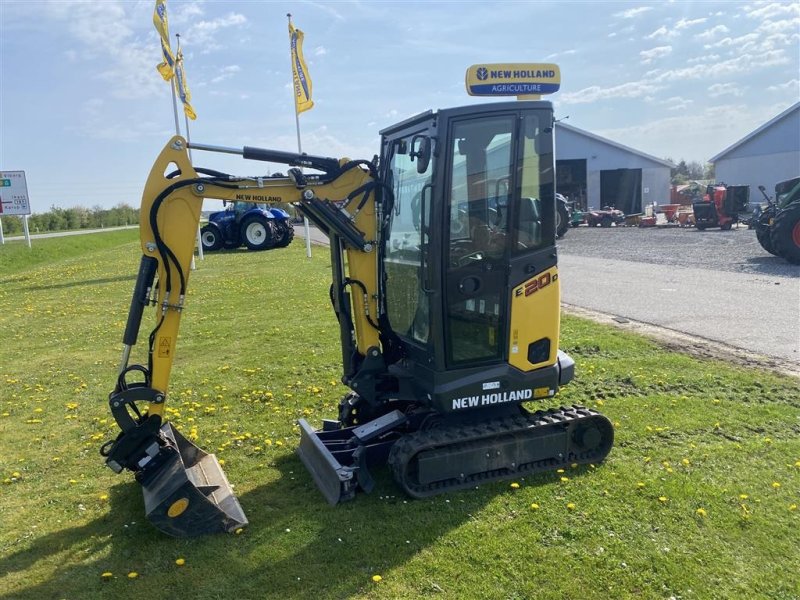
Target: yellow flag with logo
{"x": 183, "y": 88}
{"x": 167, "y": 66}
{"x": 300, "y": 78}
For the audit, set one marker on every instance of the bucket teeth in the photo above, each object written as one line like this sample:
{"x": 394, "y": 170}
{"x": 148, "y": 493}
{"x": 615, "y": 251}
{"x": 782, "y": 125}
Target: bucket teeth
{"x": 188, "y": 493}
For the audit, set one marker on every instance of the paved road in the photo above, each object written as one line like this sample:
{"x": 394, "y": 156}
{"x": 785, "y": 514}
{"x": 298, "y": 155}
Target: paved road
{"x": 734, "y": 292}
{"x": 65, "y": 233}
{"x": 716, "y": 285}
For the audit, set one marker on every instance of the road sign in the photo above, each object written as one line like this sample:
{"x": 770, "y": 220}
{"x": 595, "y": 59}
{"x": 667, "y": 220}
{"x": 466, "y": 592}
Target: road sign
{"x": 14, "y": 193}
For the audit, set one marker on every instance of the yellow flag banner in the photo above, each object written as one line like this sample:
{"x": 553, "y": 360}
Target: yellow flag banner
{"x": 183, "y": 88}
{"x": 167, "y": 66}
{"x": 302, "y": 82}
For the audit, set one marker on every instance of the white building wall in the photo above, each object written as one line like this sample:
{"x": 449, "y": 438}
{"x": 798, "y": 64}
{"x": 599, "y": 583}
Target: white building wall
{"x": 766, "y": 170}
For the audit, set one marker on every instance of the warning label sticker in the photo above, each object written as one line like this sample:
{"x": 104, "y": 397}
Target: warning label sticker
{"x": 164, "y": 347}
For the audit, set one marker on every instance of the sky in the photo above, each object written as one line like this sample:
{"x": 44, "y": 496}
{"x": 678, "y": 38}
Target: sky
{"x": 84, "y": 112}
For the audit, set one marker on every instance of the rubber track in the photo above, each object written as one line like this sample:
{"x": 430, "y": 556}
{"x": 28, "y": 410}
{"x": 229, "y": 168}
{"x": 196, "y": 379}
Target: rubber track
{"x": 476, "y": 435}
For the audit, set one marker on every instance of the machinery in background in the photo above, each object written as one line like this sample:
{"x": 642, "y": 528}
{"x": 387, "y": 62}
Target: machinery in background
{"x": 563, "y": 216}
{"x": 257, "y": 226}
{"x": 722, "y": 206}
{"x": 778, "y": 223}
{"x": 605, "y": 217}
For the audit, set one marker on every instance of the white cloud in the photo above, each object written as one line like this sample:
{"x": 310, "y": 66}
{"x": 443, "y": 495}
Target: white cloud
{"x": 677, "y": 103}
{"x": 649, "y": 56}
{"x": 725, "y": 89}
{"x": 663, "y": 33}
{"x": 685, "y": 23}
{"x": 792, "y": 84}
{"x": 127, "y": 62}
{"x": 710, "y": 34}
{"x": 712, "y": 129}
{"x": 204, "y": 34}
{"x": 633, "y": 89}
{"x": 773, "y": 10}
{"x": 633, "y": 12}
{"x": 558, "y": 54}
{"x": 226, "y": 73}
{"x": 320, "y": 51}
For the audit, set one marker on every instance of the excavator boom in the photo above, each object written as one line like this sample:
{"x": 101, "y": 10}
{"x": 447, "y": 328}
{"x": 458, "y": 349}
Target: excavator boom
{"x": 185, "y": 489}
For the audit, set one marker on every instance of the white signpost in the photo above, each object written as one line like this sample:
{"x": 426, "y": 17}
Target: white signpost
{"x": 14, "y": 200}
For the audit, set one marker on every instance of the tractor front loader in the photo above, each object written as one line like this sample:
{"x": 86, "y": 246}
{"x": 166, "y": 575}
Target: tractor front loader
{"x": 445, "y": 284}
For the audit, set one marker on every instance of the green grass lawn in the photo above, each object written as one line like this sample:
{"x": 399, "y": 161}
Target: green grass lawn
{"x": 698, "y": 498}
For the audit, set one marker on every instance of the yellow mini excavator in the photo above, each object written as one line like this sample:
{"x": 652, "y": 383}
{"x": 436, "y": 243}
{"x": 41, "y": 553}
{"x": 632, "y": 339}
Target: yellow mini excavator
{"x": 446, "y": 289}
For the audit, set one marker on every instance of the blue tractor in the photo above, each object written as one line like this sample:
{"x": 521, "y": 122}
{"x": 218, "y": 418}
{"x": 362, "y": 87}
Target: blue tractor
{"x": 257, "y": 226}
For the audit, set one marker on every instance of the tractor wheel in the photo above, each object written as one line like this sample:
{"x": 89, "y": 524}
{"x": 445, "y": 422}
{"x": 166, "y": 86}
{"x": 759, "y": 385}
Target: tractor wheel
{"x": 562, "y": 219}
{"x": 785, "y": 233}
{"x": 764, "y": 238}
{"x": 211, "y": 238}
{"x": 285, "y": 234}
{"x": 257, "y": 232}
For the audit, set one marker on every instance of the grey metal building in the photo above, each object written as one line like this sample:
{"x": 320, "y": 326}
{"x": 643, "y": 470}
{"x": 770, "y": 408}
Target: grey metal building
{"x": 765, "y": 156}
{"x": 596, "y": 172}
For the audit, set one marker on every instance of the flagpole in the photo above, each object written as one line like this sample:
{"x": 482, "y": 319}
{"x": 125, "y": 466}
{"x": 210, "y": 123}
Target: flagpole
{"x": 175, "y": 106}
{"x": 199, "y": 240}
{"x": 299, "y": 145}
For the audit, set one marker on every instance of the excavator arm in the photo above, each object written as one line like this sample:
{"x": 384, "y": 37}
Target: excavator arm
{"x": 186, "y": 492}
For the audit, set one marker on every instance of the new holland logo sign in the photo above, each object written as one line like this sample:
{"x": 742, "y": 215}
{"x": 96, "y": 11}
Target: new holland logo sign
{"x": 514, "y": 79}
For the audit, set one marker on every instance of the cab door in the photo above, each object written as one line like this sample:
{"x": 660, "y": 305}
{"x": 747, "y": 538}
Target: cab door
{"x": 479, "y": 189}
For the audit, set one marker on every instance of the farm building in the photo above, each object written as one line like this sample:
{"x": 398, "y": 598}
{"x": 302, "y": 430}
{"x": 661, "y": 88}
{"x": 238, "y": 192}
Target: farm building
{"x": 766, "y": 156}
{"x": 596, "y": 172}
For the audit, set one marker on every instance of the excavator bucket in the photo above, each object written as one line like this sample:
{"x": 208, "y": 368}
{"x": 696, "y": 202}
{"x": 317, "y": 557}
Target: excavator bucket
{"x": 189, "y": 495}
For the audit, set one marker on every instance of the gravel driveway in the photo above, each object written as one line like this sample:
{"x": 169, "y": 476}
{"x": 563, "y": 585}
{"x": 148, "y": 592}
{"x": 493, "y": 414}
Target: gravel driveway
{"x": 737, "y": 250}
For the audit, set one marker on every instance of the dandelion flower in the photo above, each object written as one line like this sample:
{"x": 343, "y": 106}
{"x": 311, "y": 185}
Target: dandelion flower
{"x": 133, "y": 575}
{"x": 701, "y": 512}
{"x": 239, "y": 531}
{"x": 107, "y": 575}
{"x": 685, "y": 462}
{"x": 535, "y": 506}
{"x": 377, "y": 578}
{"x": 571, "y": 506}
{"x": 564, "y": 479}
{"x": 662, "y": 499}
{"x": 514, "y": 486}
{"x": 793, "y": 507}
{"x": 640, "y": 485}
{"x": 743, "y": 496}
{"x": 180, "y": 562}
{"x": 776, "y": 485}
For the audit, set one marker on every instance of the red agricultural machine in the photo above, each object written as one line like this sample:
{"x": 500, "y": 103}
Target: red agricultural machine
{"x": 721, "y": 206}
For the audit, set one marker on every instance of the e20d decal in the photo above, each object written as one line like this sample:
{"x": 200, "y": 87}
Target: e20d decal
{"x": 534, "y": 285}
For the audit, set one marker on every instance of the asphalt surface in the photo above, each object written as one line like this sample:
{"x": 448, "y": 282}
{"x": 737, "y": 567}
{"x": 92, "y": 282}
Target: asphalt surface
{"x": 713, "y": 285}
{"x": 716, "y": 289}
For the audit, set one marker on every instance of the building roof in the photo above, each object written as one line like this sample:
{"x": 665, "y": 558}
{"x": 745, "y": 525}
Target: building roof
{"x": 603, "y": 140}
{"x": 755, "y": 132}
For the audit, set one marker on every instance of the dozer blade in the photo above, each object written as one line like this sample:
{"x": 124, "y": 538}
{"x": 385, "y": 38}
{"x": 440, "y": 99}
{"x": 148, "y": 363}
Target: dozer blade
{"x": 335, "y": 481}
{"x": 188, "y": 494}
